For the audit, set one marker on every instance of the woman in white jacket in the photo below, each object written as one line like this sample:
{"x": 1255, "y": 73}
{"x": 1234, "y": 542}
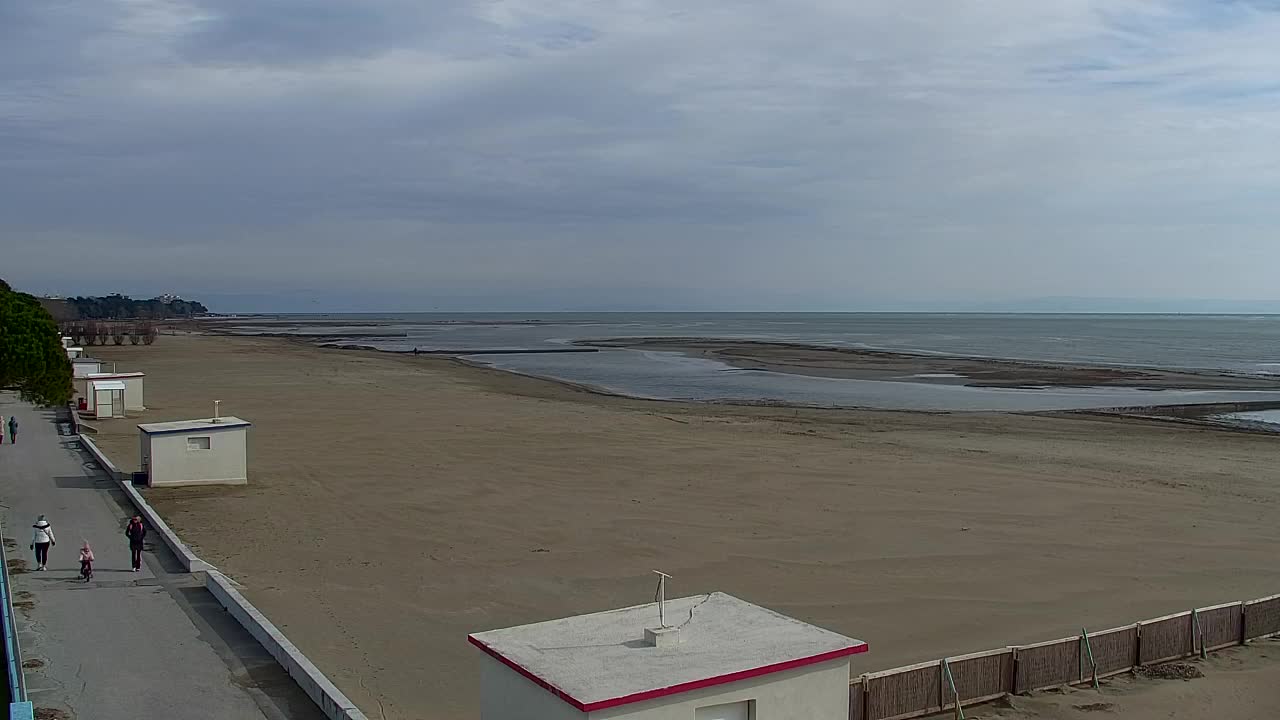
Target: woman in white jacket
{"x": 41, "y": 539}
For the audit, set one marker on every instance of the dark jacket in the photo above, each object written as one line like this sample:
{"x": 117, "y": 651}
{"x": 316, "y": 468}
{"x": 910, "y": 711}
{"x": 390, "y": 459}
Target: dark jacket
{"x": 135, "y": 532}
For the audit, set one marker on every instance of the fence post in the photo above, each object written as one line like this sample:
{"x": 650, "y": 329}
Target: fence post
{"x": 1088, "y": 647}
{"x": 1137, "y": 646}
{"x": 954, "y": 693}
{"x": 1244, "y": 616}
{"x": 1197, "y": 632}
{"x": 1013, "y": 670}
{"x": 866, "y": 705}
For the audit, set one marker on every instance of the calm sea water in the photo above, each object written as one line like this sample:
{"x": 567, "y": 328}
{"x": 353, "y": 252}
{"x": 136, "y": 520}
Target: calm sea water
{"x": 1234, "y": 343}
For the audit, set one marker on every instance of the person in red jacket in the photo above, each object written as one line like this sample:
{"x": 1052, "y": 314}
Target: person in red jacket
{"x": 136, "y": 531}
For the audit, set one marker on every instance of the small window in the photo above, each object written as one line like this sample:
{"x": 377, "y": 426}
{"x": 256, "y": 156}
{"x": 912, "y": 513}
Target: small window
{"x": 198, "y": 443}
{"x": 745, "y": 710}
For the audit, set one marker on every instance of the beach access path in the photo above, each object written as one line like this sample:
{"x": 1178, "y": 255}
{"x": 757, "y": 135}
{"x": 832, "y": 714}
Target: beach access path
{"x": 151, "y": 644}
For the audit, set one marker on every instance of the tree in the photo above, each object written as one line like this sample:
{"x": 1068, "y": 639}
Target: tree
{"x": 32, "y": 359}
{"x": 121, "y": 307}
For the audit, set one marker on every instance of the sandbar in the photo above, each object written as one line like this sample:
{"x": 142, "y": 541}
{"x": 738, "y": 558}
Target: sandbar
{"x": 859, "y": 364}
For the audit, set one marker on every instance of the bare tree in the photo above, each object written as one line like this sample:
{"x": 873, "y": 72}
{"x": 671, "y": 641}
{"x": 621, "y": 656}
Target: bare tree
{"x": 117, "y": 333}
{"x": 104, "y": 331}
{"x": 149, "y": 334}
{"x": 135, "y": 334}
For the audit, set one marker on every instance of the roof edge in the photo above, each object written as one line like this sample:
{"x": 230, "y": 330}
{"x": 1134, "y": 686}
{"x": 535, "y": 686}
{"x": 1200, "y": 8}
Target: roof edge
{"x": 856, "y": 649}
{"x": 221, "y": 426}
{"x": 527, "y": 673}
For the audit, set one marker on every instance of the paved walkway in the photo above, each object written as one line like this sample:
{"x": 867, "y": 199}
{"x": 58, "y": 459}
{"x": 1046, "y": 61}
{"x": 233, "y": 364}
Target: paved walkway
{"x": 152, "y": 644}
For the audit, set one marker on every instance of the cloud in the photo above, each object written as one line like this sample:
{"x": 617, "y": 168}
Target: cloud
{"x": 826, "y": 150}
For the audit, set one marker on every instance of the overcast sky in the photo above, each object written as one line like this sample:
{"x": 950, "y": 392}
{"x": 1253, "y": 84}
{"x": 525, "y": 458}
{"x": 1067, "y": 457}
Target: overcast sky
{"x": 702, "y": 154}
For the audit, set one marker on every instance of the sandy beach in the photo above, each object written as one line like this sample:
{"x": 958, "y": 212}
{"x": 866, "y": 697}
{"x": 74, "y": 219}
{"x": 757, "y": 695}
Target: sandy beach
{"x": 849, "y": 363}
{"x": 397, "y": 503}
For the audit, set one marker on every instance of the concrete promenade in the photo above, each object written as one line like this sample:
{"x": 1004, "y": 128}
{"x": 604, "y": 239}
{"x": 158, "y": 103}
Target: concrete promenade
{"x": 152, "y": 644}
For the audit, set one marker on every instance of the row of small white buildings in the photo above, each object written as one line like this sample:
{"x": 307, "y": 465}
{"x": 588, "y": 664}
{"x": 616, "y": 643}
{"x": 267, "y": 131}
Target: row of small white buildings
{"x": 208, "y": 451}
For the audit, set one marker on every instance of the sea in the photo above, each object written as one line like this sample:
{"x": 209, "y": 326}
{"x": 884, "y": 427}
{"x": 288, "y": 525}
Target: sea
{"x": 1241, "y": 344}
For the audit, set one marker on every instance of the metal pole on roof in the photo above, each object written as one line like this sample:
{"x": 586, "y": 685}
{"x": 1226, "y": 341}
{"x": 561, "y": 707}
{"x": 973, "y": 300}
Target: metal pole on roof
{"x": 662, "y": 597}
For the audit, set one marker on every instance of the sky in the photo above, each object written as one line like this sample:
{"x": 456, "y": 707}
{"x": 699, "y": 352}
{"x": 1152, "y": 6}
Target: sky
{"x": 332, "y": 155}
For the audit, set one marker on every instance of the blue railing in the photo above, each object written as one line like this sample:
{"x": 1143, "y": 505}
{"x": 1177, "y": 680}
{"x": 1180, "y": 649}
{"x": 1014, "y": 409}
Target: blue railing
{"x": 18, "y": 705}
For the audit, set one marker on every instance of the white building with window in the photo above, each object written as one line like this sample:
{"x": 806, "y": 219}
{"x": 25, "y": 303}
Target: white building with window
{"x": 212, "y": 451}
{"x": 717, "y": 658}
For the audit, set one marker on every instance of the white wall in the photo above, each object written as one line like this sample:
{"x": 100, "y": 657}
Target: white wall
{"x": 133, "y": 393}
{"x": 814, "y": 692}
{"x": 172, "y": 463}
{"x": 507, "y": 695}
{"x": 83, "y": 369}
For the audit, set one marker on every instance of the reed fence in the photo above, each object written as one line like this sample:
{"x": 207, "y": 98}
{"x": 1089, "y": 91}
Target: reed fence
{"x": 937, "y": 686}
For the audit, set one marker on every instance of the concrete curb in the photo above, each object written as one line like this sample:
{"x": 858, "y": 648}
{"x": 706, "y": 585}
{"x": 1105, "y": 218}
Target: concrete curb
{"x": 328, "y": 697}
{"x": 103, "y": 461}
{"x": 183, "y": 553}
{"x": 325, "y": 694}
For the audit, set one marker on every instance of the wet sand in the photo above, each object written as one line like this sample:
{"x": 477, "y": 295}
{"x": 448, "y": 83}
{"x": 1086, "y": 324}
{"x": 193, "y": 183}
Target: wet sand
{"x": 854, "y": 364}
{"x": 397, "y": 503}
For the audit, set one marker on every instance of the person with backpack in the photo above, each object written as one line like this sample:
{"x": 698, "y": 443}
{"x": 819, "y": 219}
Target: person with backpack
{"x": 41, "y": 539}
{"x": 136, "y": 531}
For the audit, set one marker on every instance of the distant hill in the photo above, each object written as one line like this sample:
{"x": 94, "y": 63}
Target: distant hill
{"x": 122, "y": 307}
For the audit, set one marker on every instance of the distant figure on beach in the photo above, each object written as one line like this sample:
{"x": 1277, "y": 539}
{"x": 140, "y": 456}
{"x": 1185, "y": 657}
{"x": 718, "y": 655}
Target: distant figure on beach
{"x": 13, "y": 430}
{"x": 41, "y": 539}
{"x": 136, "y": 532}
{"x": 86, "y": 561}
{"x": 415, "y": 351}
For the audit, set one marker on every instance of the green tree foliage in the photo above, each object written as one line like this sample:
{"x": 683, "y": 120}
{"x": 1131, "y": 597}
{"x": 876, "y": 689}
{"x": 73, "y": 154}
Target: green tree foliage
{"x": 123, "y": 307}
{"x": 32, "y": 359}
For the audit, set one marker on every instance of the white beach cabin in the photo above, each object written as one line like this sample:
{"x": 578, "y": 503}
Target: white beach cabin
{"x": 105, "y": 398}
{"x": 74, "y": 352}
{"x": 719, "y": 658}
{"x": 132, "y": 387}
{"x": 212, "y": 451}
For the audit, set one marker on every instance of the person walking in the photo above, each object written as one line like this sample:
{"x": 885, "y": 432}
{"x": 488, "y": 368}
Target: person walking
{"x": 136, "y": 531}
{"x": 13, "y": 430}
{"x": 1, "y": 429}
{"x": 41, "y": 539}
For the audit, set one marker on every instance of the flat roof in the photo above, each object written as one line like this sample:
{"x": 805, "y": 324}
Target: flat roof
{"x": 108, "y": 385}
{"x": 600, "y": 660}
{"x": 224, "y": 423}
{"x": 95, "y": 376}
{"x": 85, "y": 359}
